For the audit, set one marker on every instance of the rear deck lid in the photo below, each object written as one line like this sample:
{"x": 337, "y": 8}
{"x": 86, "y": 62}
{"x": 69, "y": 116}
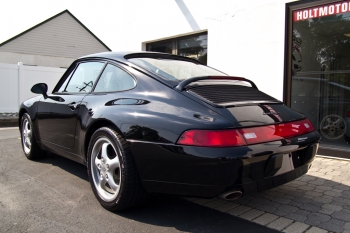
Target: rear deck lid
{"x": 239, "y": 100}
{"x": 225, "y": 91}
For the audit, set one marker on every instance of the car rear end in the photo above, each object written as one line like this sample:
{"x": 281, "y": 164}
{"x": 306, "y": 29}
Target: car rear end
{"x": 279, "y": 144}
{"x": 267, "y": 144}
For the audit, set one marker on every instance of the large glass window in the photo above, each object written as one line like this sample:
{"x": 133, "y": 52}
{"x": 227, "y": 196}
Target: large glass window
{"x": 194, "y": 46}
{"x": 320, "y": 70}
{"x": 162, "y": 47}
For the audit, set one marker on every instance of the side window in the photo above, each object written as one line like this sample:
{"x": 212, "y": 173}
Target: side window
{"x": 114, "y": 79}
{"x": 83, "y": 78}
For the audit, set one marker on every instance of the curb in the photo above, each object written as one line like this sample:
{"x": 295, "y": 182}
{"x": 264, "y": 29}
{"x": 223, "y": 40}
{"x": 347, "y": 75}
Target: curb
{"x": 9, "y": 122}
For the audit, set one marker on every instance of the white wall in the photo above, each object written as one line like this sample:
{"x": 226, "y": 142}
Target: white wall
{"x": 17, "y": 80}
{"x": 245, "y": 38}
{"x": 8, "y": 88}
{"x": 248, "y": 42}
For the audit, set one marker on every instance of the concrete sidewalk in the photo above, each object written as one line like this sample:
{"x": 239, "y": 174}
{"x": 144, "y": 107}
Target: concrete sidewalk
{"x": 319, "y": 201}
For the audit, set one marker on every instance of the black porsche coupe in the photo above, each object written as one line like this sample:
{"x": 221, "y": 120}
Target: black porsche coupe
{"x": 148, "y": 123}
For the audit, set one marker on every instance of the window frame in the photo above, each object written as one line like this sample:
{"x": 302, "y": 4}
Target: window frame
{"x": 287, "y": 81}
{"x": 70, "y": 73}
{"x": 290, "y": 7}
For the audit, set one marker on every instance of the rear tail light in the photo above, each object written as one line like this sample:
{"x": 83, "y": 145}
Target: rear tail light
{"x": 245, "y": 136}
{"x": 348, "y": 113}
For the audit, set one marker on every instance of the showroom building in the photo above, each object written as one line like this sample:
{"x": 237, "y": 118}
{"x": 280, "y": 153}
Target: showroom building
{"x": 296, "y": 51}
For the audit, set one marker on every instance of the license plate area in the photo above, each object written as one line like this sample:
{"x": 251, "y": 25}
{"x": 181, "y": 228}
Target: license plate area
{"x": 279, "y": 164}
{"x": 287, "y": 164}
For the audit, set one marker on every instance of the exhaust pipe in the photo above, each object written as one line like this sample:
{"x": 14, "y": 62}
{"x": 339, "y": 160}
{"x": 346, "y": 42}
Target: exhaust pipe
{"x": 231, "y": 195}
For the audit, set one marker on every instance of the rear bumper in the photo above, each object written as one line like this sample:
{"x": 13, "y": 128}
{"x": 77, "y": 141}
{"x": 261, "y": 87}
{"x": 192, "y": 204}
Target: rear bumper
{"x": 208, "y": 172}
{"x": 274, "y": 181}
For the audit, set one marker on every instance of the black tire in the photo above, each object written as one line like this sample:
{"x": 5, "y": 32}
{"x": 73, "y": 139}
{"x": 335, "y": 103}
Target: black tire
{"x": 112, "y": 172}
{"x": 30, "y": 146}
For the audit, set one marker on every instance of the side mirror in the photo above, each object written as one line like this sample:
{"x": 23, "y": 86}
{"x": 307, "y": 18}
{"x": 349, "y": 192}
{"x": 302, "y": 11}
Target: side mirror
{"x": 40, "y": 88}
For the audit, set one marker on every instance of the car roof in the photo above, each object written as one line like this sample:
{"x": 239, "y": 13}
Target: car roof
{"x": 123, "y": 56}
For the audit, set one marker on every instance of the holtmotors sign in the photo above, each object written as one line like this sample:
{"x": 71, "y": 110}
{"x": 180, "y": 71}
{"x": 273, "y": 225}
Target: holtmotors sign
{"x": 323, "y": 10}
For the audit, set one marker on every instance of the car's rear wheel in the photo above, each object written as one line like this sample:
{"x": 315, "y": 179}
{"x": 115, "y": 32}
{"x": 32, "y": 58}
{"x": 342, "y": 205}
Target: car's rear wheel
{"x": 112, "y": 172}
{"x": 333, "y": 126}
{"x": 30, "y": 146}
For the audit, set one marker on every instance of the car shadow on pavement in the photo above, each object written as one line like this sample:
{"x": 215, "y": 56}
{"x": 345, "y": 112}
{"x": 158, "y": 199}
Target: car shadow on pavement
{"x": 70, "y": 166}
{"x": 183, "y": 215}
{"x": 167, "y": 211}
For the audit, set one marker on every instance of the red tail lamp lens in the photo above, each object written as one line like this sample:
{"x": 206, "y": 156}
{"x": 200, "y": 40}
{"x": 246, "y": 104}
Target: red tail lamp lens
{"x": 212, "y": 138}
{"x": 245, "y": 136}
{"x": 276, "y": 132}
{"x": 348, "y": 113}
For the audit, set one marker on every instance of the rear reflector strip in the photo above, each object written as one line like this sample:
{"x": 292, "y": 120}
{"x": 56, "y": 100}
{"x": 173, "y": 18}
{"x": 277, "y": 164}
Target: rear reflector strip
{"x": 245, "y": 136}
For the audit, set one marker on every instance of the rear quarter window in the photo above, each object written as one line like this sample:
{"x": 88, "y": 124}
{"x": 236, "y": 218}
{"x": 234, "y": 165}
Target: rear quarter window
{"x": 114, "y": 79}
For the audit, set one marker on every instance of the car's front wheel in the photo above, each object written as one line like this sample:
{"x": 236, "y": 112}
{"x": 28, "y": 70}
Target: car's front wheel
{"x": 30, "y": 146}
{"x": 112, "y": 172}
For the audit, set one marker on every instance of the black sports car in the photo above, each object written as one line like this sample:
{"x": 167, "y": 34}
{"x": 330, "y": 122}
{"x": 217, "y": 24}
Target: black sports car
{"x": 159, "y": 123}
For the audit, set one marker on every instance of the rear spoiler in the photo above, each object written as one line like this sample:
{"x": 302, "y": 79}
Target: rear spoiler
{"x": 184, "y": 83}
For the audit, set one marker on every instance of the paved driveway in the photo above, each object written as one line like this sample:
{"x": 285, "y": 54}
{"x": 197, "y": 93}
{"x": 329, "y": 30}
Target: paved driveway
{"x": 316, "y": 202}
{"x": 53, "y": 195}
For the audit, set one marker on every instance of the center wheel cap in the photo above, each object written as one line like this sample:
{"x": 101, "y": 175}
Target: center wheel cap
{"x": 103, "y": 169}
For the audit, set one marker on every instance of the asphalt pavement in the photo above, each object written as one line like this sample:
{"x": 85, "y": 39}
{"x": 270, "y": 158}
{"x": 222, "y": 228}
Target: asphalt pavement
{"x": 53, "y": 195}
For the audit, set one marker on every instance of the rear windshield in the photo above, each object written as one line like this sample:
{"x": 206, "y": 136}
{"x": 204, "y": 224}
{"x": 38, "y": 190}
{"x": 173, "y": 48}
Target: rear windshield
{"x": 175, "y": 70}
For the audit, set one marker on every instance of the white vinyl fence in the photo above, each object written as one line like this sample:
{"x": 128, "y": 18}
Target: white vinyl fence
{"x": 17, "y": 80}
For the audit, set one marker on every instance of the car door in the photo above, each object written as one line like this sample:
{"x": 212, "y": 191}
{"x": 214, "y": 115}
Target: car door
{"x": 58, "y": 114}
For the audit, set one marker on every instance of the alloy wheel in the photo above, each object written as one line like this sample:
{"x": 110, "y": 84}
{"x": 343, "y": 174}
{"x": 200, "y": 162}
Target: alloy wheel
{"x": 26, "y": 136}
{"x": 333, "y": 127}
{"x": 106, "y": 169}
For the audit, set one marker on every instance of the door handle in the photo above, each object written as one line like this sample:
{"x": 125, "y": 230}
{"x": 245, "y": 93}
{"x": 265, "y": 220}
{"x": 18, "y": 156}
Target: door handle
{"x": 73, "y": 105}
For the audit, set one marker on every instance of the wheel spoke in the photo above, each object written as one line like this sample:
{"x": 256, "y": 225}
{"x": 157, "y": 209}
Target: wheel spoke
{"x": 98, "y": 163}
{"x": 104, "y": 152}
{"x": 336, "y": 122}
{"x": 103, "y": 182}
{"x": 114, "y": 163}
{"x": 112, "y": 183}
{"x": 29, "y": 134}
{"x": 27, "y": 142}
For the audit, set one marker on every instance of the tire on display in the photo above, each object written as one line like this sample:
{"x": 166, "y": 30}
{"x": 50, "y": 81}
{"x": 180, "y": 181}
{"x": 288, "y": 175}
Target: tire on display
{"x": 112, "y": 172}
{"x": 333, "y": 126}
{"x": 30, "y": 146}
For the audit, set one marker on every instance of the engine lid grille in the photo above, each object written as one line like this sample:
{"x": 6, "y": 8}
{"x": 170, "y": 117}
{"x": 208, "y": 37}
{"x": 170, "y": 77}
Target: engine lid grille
{"x": 230, "y": 95}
